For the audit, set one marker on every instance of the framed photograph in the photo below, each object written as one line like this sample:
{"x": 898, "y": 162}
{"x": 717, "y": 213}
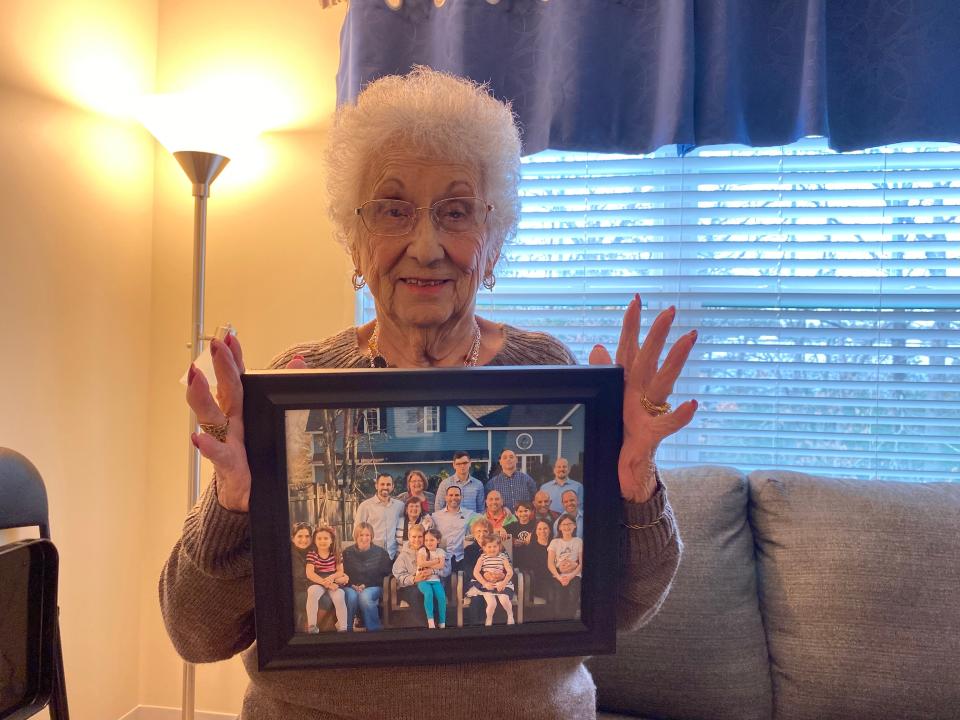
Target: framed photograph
{"x": 433, "y": 516}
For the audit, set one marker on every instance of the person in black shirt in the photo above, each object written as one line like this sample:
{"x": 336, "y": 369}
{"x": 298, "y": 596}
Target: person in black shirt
{"x": 366, "y": 565}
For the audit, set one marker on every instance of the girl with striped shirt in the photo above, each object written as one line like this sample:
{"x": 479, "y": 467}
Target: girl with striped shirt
{"x": 325, "y": 570}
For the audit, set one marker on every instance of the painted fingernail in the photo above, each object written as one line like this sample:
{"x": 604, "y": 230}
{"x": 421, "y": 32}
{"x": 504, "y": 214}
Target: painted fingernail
{"x": 193, "y": 439}
{"x": 213, "y": 348}
{"x": 694, "y": 335}
{"x": 636, "y": 296}
{"x": 228, "y": 340}
{"x": 298, "y": 357}
{"x": 672, "y": 310}
{"x": 598, "y": 346}
{"x": 695, "y": 403}
{"x": 191, "y": 374}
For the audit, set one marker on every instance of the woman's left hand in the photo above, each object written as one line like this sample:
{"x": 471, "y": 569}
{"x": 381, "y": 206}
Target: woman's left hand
{"x": 643, "y": 431}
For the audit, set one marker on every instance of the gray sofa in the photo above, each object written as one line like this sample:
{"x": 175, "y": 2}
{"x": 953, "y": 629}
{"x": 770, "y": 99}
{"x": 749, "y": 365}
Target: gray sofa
{"x": 799, "y": 597}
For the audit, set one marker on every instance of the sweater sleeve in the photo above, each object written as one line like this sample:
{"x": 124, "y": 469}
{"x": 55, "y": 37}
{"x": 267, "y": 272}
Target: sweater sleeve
{"x": 649, "y": 559}
{"x": 206, "y": 587}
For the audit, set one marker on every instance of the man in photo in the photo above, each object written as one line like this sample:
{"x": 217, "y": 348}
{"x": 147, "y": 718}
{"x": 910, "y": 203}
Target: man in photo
{"x": 560, "y": 484}
{"x": 513, "y": 485}
{"x": 571, "y": 507}
{"x": 383, "y": 513}
{"x": 471, "y": 489}
{"x": 541, "y": 508}
{"x": 452, "y": 522}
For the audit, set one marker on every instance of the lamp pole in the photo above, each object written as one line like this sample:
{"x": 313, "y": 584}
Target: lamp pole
{"x": 202, "y": 169}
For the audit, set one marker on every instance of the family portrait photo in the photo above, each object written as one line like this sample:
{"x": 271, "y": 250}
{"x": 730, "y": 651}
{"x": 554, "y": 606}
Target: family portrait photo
{"x": 436, "y": 516}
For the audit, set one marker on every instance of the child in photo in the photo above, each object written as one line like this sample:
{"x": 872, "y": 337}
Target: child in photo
{"x": 325, "y": 569}
{"x": 493, "y": 579}
{"x": 432, "y": 558}
{"x": 565, "y": 563}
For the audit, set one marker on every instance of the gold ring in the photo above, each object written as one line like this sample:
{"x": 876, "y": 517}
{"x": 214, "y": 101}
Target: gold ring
{"x": 653, "y": 408}
{"x": 217, "y": 431}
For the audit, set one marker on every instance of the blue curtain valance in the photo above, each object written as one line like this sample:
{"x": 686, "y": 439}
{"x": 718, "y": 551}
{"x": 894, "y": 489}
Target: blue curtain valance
{"x": 633, "y": 75}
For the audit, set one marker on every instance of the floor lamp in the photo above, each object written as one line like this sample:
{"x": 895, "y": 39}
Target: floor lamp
{"x": 202, "y": 168}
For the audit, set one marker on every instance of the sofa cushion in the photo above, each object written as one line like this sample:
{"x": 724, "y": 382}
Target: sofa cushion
{"x": 859, "y": 586}
{"x": 704, "y": 654}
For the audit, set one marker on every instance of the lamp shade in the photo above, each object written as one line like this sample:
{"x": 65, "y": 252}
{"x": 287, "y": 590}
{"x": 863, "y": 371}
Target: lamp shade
{"x": 199, "y": 122}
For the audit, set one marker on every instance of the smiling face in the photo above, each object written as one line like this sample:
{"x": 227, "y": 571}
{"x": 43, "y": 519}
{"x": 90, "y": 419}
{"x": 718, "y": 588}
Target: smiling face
{"x": 416, "y": 484}
{"x": 414, "y": 510}
{"x": 323, "y": 540}
{"x": 570, "y": 502}
{"x": 543, "y": 532}
{"x": 494, "y": 502}
{"x": 384, "y": 486}
{"x": 427, "y": 277}
{"x": 567, "y": 528}
{"x": 561, "y": 469}
{"x": 491, "y": 546}
{"x": 508, "y": 462}
{"x": 453, "y": 498}
{"x": 364, "y": 539}
{"x": 430, "y": 540}
{"x": 301, "y": 539}
{"x": 416, "y": 537}
{"x": 541, "y": 501}
{"x": 481, "y": 531}
{"x": 523, "y": 514}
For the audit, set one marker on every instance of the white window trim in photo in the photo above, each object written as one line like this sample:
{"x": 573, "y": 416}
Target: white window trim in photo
{"x": 825, "y": 288}
{"x": 371, "y": 420}
{"x": 431, "y": 419}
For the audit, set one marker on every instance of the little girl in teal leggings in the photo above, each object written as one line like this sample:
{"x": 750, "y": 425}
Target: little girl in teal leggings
{"x": 432, "y": 558}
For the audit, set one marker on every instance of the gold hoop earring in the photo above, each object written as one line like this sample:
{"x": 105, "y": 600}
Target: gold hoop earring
{"x": 489, "y": 281}
{"x": 357, "y": 280}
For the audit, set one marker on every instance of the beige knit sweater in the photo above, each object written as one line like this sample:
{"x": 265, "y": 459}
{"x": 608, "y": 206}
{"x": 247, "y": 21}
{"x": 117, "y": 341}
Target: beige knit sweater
{"x": 206, "y": 595}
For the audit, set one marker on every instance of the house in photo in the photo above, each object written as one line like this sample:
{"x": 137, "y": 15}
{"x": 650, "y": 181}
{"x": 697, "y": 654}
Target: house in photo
{"x": 396, "y": 439}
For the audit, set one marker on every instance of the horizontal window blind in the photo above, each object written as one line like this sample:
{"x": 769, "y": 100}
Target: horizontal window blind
{"x": 825, "y": 288}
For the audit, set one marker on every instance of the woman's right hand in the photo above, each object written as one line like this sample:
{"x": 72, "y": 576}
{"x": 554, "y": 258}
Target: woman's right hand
{"x": 229, "y": 458}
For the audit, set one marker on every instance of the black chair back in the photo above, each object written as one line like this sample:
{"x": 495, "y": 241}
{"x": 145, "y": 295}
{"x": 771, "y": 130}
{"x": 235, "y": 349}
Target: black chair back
{"x": 23, "y": 503}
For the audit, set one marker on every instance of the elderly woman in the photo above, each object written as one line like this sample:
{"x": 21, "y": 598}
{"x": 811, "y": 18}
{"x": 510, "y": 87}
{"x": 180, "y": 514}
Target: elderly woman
{"x": 423, "y": 176}
{"x": 417, "y": 487}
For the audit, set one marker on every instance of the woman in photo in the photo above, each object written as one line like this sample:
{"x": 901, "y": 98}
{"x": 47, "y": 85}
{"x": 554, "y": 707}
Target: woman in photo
{"x": 299, "y": 545}
{"x": 565, "y": 564}
{"x": 538, "y": 557}
{"x": 431, "y": 559}
{"x": 366, "y": 565}
{"x": 416, "y": 483}
{"x": 325, "y": 570}
{"x": 422, "y": 175}
{"x": 412, "y": 515}
{"x": 407, "y": 575}
{"x": 493, "y": 579}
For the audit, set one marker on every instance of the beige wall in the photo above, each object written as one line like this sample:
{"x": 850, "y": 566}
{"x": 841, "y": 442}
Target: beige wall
{"x": 95, "y": 264}
{"x": 271, "y": 269}
{"x": 75, "y": 244}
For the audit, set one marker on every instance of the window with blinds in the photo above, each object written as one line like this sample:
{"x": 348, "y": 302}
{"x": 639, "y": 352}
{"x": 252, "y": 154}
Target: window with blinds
{"x": 825, "y": 288}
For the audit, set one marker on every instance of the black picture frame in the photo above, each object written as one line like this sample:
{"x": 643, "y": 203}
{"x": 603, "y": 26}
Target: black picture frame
{"x": 267, "y": 397}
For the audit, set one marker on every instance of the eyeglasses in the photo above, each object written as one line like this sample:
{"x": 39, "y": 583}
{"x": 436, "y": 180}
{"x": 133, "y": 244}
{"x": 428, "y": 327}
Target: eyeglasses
{"x": 398, "y": 217}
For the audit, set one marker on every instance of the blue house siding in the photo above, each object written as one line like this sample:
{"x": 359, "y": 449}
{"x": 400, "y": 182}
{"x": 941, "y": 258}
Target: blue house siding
{"x": 403, "y": 444}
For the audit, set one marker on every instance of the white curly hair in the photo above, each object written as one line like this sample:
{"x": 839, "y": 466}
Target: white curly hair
{"x": 439, "y": 116}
